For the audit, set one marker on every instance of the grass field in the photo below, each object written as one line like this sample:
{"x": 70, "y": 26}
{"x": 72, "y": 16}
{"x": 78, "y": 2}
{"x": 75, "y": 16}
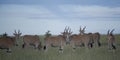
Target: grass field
{"x": 101, "y": 53}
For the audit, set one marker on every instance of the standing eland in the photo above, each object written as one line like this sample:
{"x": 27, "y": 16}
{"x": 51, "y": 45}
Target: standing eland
{"x": 57, "y": 41}
{"x": 81, "y": 39}
{"x": 111, "y": 40}
{"x": 32, "y": 40}
{"x": 7, "y": 42}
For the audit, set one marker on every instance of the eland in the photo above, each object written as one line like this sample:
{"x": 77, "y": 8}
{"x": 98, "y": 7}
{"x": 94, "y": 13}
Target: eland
{"x": 32, "y": 40}
{"x": 58, "y": 41}
{"x": 111, "y": 40}
{"x": 7, "y": 42}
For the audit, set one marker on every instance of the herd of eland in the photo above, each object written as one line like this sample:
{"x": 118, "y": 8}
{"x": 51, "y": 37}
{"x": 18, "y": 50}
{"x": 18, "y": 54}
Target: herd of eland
{"x": 82, "y": 39}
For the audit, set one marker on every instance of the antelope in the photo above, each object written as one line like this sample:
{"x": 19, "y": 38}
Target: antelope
{"x": 7, "y": 42}
{"x": 96, "y": 39}
{"x": 111, "y": 40}
{"x": 17, "y": 35}
{"x": 81, "y": 39}
{"x": 66, "y": 34}
{"x": 57, "y": 41}
{"x": 75, "y": 40}
{"x": 31, "y": 40}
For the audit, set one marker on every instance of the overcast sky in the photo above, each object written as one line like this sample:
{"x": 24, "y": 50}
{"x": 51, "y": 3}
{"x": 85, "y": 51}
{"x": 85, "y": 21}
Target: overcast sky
{"x": 38, "y": 16}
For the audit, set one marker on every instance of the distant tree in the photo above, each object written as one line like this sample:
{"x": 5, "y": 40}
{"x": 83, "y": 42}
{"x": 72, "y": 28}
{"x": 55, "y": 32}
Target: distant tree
{"x": 0, "y": 35}
{"x": 4, "y": 35}
{"x": 47, "y": 34}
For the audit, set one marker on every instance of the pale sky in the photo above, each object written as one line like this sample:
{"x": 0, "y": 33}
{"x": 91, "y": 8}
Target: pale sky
{"x": 38, "y": 16}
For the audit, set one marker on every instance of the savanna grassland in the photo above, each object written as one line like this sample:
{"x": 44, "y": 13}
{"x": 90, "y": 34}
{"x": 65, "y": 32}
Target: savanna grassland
{"x": 80, "y": 53}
